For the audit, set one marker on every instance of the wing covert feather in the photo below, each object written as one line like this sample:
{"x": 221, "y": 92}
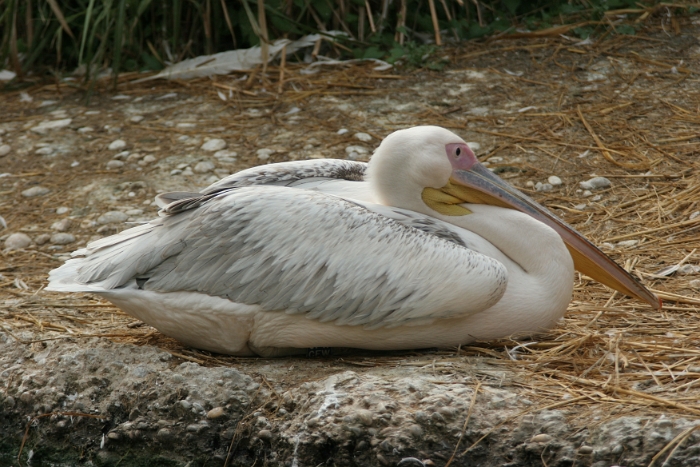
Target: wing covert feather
{"x": 308, "y": 252}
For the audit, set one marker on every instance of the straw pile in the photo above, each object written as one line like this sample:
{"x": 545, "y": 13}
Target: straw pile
{"x": 638, "y": 125}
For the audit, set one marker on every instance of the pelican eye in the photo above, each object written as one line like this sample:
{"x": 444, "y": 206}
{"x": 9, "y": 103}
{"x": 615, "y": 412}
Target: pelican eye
{"x": 458, "y": 152}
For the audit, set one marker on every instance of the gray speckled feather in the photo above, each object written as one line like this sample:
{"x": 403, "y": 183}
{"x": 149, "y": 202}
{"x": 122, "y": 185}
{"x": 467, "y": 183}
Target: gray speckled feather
{"x": 313, "y": 253}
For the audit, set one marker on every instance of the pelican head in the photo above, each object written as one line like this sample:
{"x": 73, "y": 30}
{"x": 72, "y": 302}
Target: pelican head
{"x": 428, "y": 168}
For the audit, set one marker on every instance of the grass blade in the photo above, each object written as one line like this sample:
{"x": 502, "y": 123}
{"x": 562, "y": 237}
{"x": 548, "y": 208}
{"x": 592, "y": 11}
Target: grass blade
{"x": 59, "y": 15}
{"x": 118, "y": 38}
{"x": 86, "y": 28}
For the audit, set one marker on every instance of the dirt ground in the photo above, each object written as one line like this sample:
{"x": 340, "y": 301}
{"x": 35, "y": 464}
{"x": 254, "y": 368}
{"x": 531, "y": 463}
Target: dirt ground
{"x": 613, "y": 384}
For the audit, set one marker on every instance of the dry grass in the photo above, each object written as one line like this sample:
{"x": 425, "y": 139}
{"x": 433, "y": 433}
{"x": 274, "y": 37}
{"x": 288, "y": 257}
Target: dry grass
{"x": 641, "y": 127}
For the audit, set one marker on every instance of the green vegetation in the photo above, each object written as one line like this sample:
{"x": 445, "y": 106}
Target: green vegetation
{"x": 91, "y": 35}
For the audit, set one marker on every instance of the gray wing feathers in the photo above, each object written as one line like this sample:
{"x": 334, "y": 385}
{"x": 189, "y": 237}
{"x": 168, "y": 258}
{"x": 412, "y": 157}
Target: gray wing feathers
{"x": 303, "y": 252}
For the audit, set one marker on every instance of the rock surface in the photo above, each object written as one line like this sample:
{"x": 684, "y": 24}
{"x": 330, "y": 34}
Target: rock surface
{"x": 120, "y": 404}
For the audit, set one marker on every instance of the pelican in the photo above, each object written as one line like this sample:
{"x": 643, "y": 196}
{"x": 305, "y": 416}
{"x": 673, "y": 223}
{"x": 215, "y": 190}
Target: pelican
{"x": 421, "y": 247}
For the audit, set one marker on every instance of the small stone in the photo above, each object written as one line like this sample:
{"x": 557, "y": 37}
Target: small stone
{"x": 134, "y": 212}
{"x": 187, "y": 172}
{"x": 85, "y": 129}
{"x": 45, "y": 151}
{"x": 42, "y": 239}
{"x": 117, "y": 145}
{"x": 26, "y": 397}
{"x": 176, "y": 172}
{"x": 215, "y": 413}
{"x": 62, "y": 210}
{"x": 62, "y": 225}
{"x": 543, "y": 187}
{"x": 62, "y": 238}
{"x": 17, "y": 241}
{"x": 695, "y": 283}
{"x": 5, "y": 150}
{"x": 226, "y": 156}
{"x": 165, "y": 435}
{"x": 186, "y": 125}
{"x": 121, "y": 156}
{"x": 136, "y": 119}
{"x": 47, "y": 125}
{"x": 114, "y": 164}
{"x": 596, "y": 198}
{"x": 474, "y": 146}
{"x": 541, "y": 438}
{"x": 203, "y": 167}
{"x": 585, "y": 450}
{"x": 495, "y": 159}
{"x": 114, "y": 435}
{"x": 688, "y": 269}
{"x": 364, "y": 137}
{"x": 416, "y": 431}
{"x": 694, "y": 215}
{"x": 214, "y": 145}
{"x": 35, "y": 191}
{"x": 150, "y": 158}
{"x": 357, "y": 149}
{"x": 265, "y": 435}
{"x": 530, "y": 184}
{"x": 554, "y": 180}
{"x": 586, "y": 193}
{"x": 342, "y": 131}
{"x": 112, "y": 217}
{"x": 364, "y": 417}
{"x": 595, "y": 183}
{"x": 264, "y": 153}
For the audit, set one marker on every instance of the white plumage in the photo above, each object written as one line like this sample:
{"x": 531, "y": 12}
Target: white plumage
{"x": 289, "y": 256}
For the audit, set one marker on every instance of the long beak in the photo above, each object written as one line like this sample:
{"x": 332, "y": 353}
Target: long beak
{"x": 480, "y": 186}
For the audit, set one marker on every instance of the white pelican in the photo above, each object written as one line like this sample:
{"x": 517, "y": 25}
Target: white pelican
{"x": 422, "y": 247}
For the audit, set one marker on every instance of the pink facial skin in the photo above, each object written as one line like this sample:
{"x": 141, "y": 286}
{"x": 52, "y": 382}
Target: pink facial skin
{"x": 460, "y": 156}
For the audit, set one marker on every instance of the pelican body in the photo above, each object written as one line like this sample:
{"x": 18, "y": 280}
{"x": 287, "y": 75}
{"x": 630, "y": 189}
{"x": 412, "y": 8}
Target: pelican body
{"x": 422, "y": 247}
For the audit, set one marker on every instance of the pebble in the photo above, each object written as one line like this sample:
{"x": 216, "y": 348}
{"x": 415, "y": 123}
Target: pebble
{"x": 694, "y": 215}
{"x": 114, "y": 164}
{"x": 474, "y": 146}
{"x": 355, "y": 152}
{"x": 539, "y": 186}
{"x": 164, "y": 435}
{"x": 61, "y": 225}
{"x": 62, "y": 210}
{"x": 585, "y": 450}
{"x": 85, "y": 129}
{"x": 203, "y": 167}
{"x": 112, "y": 217}
{"x": 62, "y": 238}
{"x": 134, "y": 212}
{"x": 264, "y": 153}
{"x": 495, "y": 159}
{"x": 121, "y": 155}
{"x": 226, "y": 156}
{"x": 134, "y": 157}
{"x": 176, "y": 172}
{"x": 265, "y": 435}
{"x": 586, "y": 193}
{"x": 117, "y": 145}
{"x": 186, "y": 125}
{"x": 342, "y": 131}
{"x": 5, "y": 150}
{"x": 136, "y": 119}
{"x": 364, "y": 137}
{"x": 41, "y": 239}
{"x": 214, "y": 145}
{"x": 35, "y": 191}
{"x": 364, "y": 416}
{"x": 47, "y": 125}
{"x": 215, "y": 413}
{"x": 596, "y": 198}
{"x": 554, "y": 180}
{"x": 187, "y": 172}
{"x": 530, "y": 184}
{"x": 17, "y": 241}
{"x": 148, "y": 159}
{"x": 688, "y": 269}
{"x": 595, "y": 183}
{"x": 695, "y": 283}
{"x": 541, "y": 438}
